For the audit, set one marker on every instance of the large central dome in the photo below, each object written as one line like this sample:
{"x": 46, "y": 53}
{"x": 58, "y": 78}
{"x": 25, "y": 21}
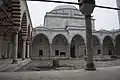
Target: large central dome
{"x": 65, "y": 7}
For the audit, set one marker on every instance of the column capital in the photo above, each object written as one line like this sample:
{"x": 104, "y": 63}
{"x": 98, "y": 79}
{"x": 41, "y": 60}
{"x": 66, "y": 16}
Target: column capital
{"x": 24, "y": 38}
{"x": 16, "y": 28}
{"x": 28, "y": 42}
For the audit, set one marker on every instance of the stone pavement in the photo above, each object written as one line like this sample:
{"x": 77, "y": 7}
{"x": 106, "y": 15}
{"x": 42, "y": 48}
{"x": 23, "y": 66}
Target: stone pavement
{"x": 105, "y": 73}
{"x": 5, "y": 65}
{"x": 45, "y": 65}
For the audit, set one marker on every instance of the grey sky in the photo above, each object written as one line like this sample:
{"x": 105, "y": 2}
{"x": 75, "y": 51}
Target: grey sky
{"x": 105, "y": 19}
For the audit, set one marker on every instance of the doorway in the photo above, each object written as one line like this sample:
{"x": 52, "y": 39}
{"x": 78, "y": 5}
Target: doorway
{"x": 72, "y": 51}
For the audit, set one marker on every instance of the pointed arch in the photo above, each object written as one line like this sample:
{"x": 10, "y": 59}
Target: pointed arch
{"x": 58, "y": 36}
{"x": 108, "y": 47}
{"x": 78, "y": 37}
{"x": 77, "y": 48}
{"x": 96, "y": 45}
{"x": 60, "y": 46}
{"x": 40, "y": 46}
{"x": 96, "y": 40}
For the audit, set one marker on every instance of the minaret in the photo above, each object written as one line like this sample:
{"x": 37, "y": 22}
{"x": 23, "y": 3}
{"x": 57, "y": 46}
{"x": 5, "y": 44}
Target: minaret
{"x": 118, "y": 5}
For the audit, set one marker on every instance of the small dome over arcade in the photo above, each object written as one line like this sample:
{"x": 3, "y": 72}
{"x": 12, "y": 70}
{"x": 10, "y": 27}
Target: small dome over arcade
{"x": 103, "y": 31}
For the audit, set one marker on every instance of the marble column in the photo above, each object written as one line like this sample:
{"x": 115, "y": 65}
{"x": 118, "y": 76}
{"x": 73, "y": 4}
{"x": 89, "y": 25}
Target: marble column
{"x": 89, "y": 44}
{"x": 0, "y": 47}
{"x": 114, "y": 47}
{"x": 24, "y": 47}
{"x": 50, "y": 53}
{"x": 11, "y": 50}
{"x": 101, "y": 49}
{"x": 68, "y": 50}
{"x": 3, "y": 47}
{"x": 28, "y": 49}
{"x": 8, "y": 50}
{"x": 15, "y": 48}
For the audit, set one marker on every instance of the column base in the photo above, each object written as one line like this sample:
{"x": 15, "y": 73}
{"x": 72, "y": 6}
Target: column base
{"x": 23, "y": 58}
{"x": 90, "y": 67}
{"x": 28, "y": 58}
{"x": 14, "y": 62}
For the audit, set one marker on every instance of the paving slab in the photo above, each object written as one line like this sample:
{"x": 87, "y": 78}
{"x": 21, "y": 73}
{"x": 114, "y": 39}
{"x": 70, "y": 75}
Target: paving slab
{"x": 105, "y": 73}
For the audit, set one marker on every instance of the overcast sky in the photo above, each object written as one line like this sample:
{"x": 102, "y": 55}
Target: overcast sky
{"x": 105, "y": 19}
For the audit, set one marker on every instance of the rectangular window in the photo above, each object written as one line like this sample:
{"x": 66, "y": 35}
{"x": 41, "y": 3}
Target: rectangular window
{"x": 56, "y": 52}
{"x": 40, "y": 52}
{"x": 62, "y": 54}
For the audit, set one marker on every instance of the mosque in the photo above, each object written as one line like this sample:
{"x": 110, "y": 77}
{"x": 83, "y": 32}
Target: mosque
{"x": 64, "y": 35}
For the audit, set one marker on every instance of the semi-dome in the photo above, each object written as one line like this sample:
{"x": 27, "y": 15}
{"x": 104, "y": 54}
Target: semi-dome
{"x": 65, "y": 7}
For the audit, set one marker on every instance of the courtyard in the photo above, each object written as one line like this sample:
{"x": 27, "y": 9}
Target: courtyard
{"x": 71, "y": 64}
{"x": 67, "y": 46}
{"x": 109, "y": 73}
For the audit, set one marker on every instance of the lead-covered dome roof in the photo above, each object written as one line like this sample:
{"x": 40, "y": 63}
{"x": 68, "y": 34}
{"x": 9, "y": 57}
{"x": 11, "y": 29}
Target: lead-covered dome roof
{"x": 65, "y": 7}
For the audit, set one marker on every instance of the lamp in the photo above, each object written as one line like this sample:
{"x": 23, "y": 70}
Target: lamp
{"x": 1, "y": 3}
